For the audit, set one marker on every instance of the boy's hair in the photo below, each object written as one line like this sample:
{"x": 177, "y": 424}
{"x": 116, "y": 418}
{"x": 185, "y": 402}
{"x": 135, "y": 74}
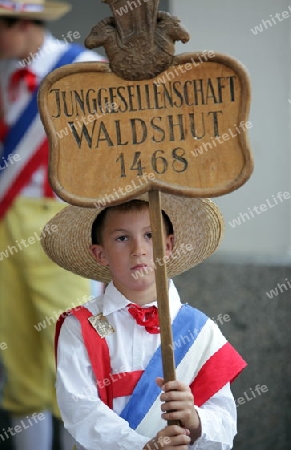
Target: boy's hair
{"x": 10, "y": 21}
{"x": 133, "y": 205}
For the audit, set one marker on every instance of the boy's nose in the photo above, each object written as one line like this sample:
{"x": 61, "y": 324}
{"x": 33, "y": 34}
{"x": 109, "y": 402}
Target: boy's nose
{"x": 138, "y": 248}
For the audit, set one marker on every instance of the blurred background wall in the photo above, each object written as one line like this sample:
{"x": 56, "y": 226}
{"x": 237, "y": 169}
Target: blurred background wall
{"x": 225, "y": 26}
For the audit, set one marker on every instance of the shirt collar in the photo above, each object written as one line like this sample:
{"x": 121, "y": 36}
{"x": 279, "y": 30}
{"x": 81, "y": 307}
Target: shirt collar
{"x": 114, "y": 301}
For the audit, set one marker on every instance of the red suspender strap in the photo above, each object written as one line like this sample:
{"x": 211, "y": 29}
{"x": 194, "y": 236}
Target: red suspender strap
{"x": 97, "y": 351}
{"x": 109, "y": 385}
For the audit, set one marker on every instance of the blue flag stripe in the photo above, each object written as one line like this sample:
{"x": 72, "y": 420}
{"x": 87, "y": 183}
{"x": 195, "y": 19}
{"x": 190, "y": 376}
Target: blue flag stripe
{"x": 188, "y": 323}
{"x": 29, "y": 114}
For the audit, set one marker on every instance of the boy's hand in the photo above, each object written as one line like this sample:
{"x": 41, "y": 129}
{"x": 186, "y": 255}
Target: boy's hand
{"x": 172, "y": 437}
{"x": 178, "y": 398}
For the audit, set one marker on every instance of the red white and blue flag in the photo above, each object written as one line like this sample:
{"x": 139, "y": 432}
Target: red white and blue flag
{"x": 204, "y": 360}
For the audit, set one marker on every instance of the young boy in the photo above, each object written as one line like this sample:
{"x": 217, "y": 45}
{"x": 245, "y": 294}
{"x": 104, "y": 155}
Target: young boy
{"x": 109, "y": 373}
{"x": 34, "y": 291}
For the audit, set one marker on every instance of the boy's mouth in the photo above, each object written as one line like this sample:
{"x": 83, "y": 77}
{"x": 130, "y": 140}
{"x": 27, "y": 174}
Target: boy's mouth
{"x": 139, "y": 267}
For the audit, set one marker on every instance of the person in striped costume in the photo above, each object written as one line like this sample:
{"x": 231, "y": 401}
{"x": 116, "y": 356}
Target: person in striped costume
{"x": 34, "y": 291}
{"x": 110, "y": 386}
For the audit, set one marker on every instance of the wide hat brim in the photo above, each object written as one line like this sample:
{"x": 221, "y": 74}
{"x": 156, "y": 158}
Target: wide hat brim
{"x": 197, "y": 223}
{"x": 51, "y": 11}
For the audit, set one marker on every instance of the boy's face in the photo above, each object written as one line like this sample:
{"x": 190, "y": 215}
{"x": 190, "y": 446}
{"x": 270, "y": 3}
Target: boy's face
{"x": 127, "y": 250}
{"x": 11, "y": 39}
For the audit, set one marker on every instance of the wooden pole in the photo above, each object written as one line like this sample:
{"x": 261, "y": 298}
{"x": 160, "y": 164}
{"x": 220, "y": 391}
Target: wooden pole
{"x": 162, "y": 289}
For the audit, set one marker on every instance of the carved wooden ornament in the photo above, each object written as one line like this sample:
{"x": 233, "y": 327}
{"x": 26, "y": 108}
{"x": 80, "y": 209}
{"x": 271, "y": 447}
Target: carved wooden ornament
{"x": 184, "y": 131}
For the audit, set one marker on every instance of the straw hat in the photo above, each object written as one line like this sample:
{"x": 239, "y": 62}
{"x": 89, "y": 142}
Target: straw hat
{"x": 34, "y": 9}
{"x": 196, "y": 222}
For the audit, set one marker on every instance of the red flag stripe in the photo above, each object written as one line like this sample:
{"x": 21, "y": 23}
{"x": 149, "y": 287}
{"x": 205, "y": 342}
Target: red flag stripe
{"x": 223, "y": 367}
{"x": 3, "y": 130}
{"x": 123, "y": 384}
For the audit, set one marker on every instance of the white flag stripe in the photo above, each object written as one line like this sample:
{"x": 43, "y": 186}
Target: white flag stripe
{"x": 198, "y": 354}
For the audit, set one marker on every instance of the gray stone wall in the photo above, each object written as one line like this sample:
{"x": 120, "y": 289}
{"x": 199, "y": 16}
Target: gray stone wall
{"x": 259, "y": 328}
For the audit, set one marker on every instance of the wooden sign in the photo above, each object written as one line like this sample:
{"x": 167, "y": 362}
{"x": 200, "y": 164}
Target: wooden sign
{"x": 147, "y": 121}
{"x": 184, "y": 131}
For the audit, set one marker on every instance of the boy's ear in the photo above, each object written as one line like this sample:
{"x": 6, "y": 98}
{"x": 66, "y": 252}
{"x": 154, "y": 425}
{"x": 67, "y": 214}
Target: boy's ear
{"x": 98, "y": 254}
{"x": 169, "y": 244}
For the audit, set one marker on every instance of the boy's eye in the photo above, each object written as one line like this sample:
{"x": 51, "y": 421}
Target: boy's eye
{"x": 121, "y": 238}
{"x": 149, "y": 235}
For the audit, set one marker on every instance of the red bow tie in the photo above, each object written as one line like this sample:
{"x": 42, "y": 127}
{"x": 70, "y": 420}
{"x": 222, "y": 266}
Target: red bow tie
{"x": 147, "y": 317}
{"x": 17, "y": 77}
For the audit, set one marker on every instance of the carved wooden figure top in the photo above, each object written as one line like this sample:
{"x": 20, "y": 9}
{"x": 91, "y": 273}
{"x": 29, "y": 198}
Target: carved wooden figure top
{"x": 139, "y": 40}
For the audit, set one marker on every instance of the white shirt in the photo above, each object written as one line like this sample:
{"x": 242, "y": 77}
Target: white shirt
{"x": 42, "y": 63}
{"x": 92, "y": 424}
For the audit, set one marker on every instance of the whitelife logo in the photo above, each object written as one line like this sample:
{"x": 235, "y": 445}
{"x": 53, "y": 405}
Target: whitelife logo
{"x": 243, "y": 217}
